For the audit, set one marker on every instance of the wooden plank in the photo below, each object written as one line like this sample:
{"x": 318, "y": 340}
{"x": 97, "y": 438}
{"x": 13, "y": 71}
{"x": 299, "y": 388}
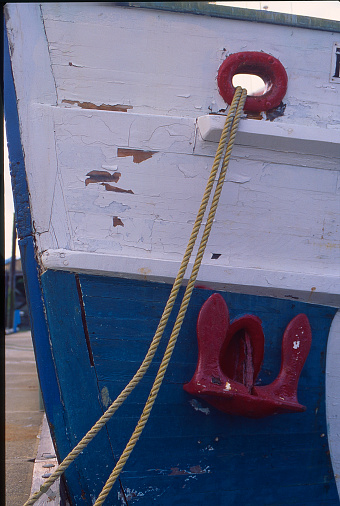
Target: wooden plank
{"x": 156, "y": 219}
{"x": 229, "y": 12}
{"x": 206, "y": 48}
{"x": 78, "y": 384}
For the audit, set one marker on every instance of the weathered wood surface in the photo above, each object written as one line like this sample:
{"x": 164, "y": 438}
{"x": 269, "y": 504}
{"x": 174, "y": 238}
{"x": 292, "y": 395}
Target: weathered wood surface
{"x": 116, "y": 165}
{"x": 79, "y": 393}
{"x": 160, "y": 62}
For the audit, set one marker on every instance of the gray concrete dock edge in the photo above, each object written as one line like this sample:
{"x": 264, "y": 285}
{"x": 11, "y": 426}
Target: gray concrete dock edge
{"x": 23, "y": 416}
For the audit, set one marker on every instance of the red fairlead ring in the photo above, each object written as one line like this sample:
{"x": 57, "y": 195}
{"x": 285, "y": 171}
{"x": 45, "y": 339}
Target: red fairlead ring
{"x": 263, "y": 65}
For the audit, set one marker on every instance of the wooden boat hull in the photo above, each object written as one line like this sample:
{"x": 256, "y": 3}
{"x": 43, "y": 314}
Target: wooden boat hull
{"x": 107, "y": 178}
{"x": 189, "y": 452}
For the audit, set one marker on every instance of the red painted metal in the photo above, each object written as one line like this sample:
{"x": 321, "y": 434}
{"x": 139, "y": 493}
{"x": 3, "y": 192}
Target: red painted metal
{"x": 230, "y": 358}
{"x": 261, "y": 64}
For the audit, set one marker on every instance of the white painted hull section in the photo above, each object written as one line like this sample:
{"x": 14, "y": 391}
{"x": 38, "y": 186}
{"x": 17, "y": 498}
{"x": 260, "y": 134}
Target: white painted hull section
{"x": 280, "y": 206}
{"x": 274, "y": 215}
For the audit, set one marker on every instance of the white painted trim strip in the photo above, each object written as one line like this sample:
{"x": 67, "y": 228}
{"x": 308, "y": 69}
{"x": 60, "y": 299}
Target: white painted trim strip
{"x": 318, "y": 289}
{"x": 278, "y": 136}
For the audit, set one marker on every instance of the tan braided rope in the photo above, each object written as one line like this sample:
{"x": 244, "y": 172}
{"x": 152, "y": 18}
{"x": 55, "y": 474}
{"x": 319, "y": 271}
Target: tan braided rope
{"x": 181, "y": 314}
{"x": 165, "y": 316}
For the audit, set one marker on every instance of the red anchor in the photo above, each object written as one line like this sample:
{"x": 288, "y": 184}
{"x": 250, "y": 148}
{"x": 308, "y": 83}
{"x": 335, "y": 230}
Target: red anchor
{"x": 230, "y": 358}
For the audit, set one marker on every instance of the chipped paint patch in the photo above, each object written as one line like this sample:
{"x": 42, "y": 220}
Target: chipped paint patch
{"x": 216, "y": 380}
{"x": 198, "y": 470}
{"x": 117, "y": 222}
{"x": 176, "y": 471}
{"x": 105, "y": 396}
{"x": 138, "y": 154}
{"x": 238, "y": 178}
{"x": 103, "y": 177}
{"x": 110, "y": 167}
{"x": 133, "y": 495}
{"x": 110, "y": 188}
{"x": 208, "y": 448}
{"x": 98, "y": 176}
{"x": 101, "y": 107}
{"x": 198, "y": 407}
{"x": 254, "y": 115}
{"x": 144, "y": 270}
{"x": 276, "y": 112}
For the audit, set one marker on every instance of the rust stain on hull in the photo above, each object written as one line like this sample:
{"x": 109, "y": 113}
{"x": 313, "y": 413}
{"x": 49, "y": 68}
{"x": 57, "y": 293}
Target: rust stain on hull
{"x": 254, "y": 115}
{"x": 138, "y": 154}
{"x": 110, "y": 188}
{"x": 99, "y": 176}
{"x": 102, "y": 107}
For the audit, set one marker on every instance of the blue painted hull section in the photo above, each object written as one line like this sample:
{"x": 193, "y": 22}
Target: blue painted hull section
{"x": 189, "y": 452}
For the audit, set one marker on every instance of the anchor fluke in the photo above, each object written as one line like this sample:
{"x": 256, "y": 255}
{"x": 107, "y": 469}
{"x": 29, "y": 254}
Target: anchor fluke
{"x": 230, "y": 357}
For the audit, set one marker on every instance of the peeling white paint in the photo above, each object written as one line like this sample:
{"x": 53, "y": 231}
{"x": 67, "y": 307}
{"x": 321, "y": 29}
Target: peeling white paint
{"x": 198, "y": 407}
{"x": 227, "y": 386}
{"x": 208, "y": 448}
{"x": 278, "y": 210}
{"x": 238, "y": 178}
{"x": 133, "y": 495}
{"x": 105, "y": 395}
{"x": 112, "y": 168}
